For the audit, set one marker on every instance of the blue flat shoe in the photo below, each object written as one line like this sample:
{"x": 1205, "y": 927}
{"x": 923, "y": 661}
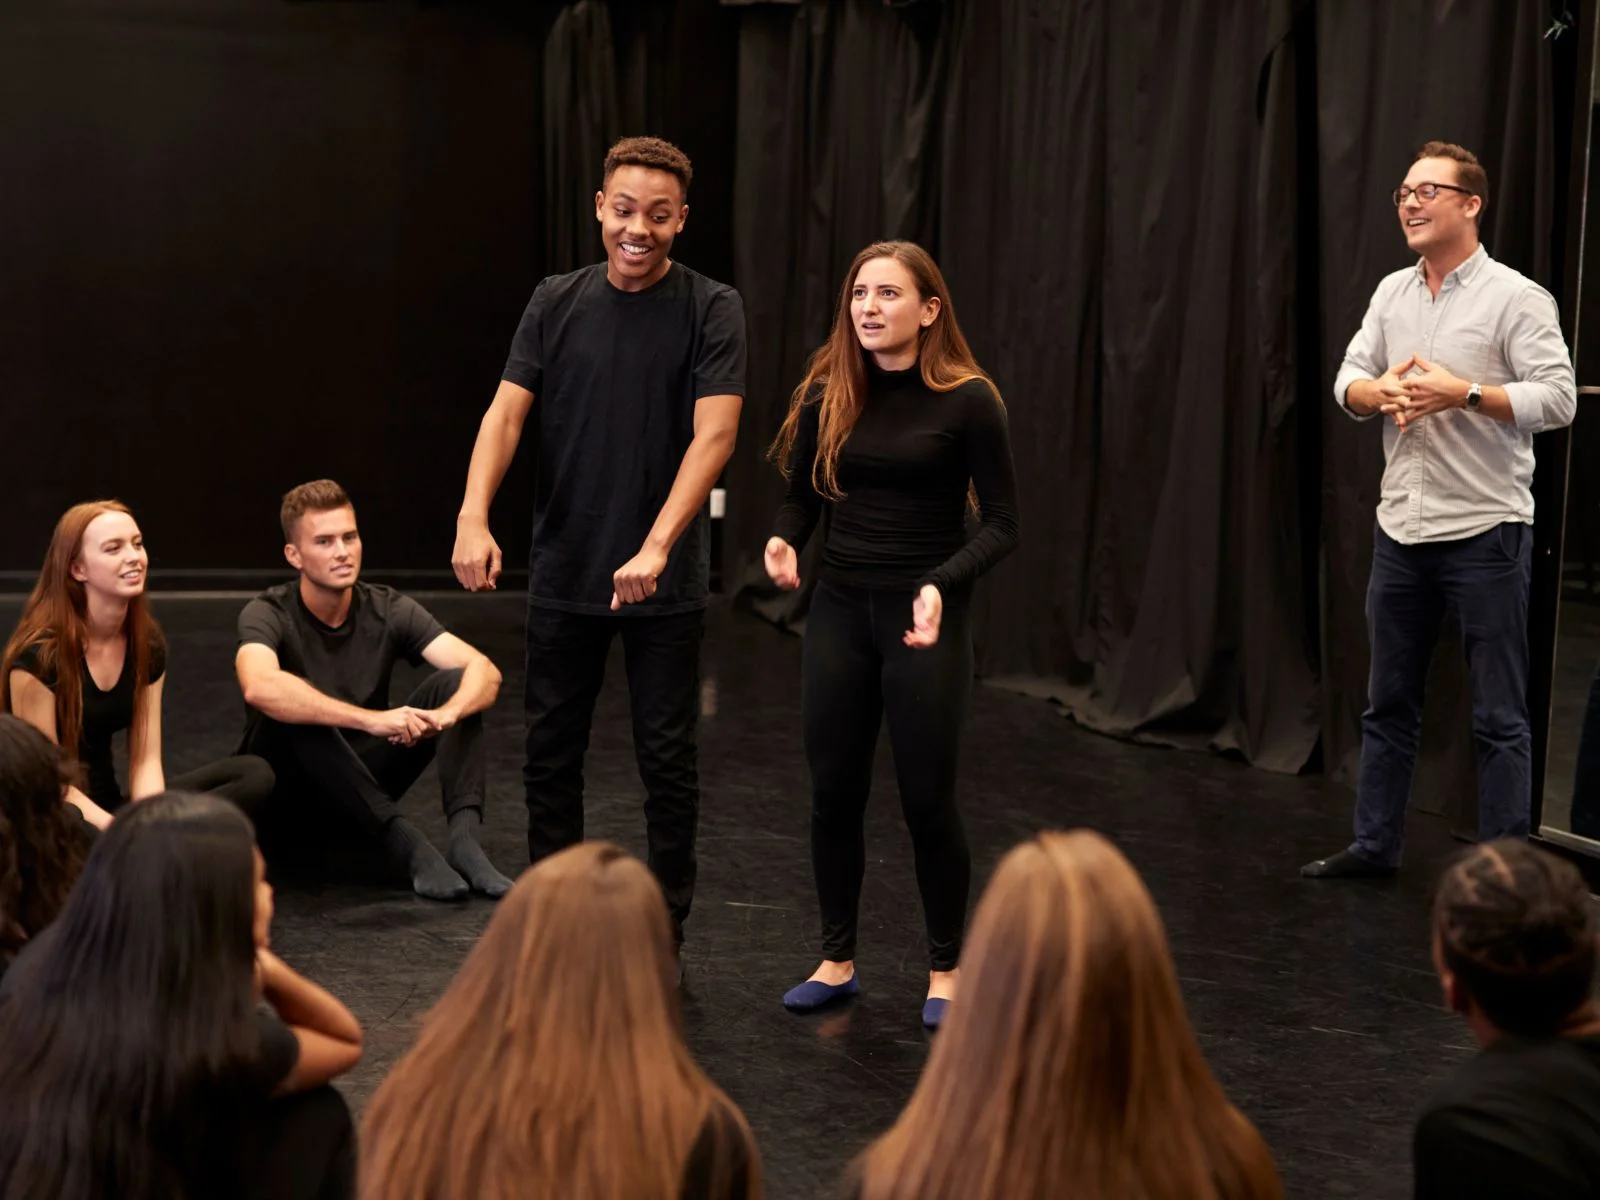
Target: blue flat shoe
{"x": 933, "y": 1012}
{"x": 813, "y": 994}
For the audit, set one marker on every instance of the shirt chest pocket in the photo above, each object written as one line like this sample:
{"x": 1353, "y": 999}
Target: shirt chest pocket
{"x": 1470, "y": 358}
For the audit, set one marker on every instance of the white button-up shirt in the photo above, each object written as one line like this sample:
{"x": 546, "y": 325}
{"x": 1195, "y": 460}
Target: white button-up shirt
{"x": 1455, "y": 473}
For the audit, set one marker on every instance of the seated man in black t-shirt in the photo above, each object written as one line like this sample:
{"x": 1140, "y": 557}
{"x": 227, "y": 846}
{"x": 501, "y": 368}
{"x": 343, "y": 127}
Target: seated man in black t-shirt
{"x": 314, "y": 661}
{"x": 1515, "y": 946}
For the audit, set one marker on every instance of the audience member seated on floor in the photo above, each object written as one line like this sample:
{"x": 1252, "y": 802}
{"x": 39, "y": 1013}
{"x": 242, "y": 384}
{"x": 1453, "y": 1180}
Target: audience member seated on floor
{"x": 43, "y": 842}
{"x": 1514, "y": 944}
{"x": 554, "y": 1065}
{"x": 315, "y": 659}
{"x": 1067, "y": 1066}
{"x": 88, "y": 661}
{"x": 149, "y": 1039}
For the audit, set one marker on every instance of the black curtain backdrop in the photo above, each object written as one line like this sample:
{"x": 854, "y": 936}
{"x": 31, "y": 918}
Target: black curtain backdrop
{"x": 255, "y": 243}
{"x": 250, "y": 244}
{"x": 1161, "y": 224}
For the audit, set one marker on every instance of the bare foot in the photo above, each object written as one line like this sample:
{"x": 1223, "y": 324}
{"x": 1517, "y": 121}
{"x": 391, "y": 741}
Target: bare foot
{"x": 833, "y": 973}
{"x": 942, "y": 984}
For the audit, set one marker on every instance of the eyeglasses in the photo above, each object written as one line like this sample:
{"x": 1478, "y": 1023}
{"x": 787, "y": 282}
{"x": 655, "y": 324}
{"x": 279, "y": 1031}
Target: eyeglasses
{"x": 1427, "y": 191}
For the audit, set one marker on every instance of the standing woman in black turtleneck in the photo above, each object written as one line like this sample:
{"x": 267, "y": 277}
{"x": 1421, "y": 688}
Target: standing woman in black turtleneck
{"x": 896, "y": 428}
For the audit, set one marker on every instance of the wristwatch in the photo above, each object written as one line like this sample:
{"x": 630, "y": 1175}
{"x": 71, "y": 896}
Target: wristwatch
{"x": 1474, "y": 396}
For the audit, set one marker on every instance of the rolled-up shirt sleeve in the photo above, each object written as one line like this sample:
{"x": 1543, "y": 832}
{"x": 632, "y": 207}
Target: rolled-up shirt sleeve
{"x": 1543, "y": 389}
{"x": 1366, "y": 357}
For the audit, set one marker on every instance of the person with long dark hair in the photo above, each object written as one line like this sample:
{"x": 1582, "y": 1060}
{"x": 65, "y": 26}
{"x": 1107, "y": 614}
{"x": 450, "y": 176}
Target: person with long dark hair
{"x": 1514, "y": 943}
{"x": 144, "y": 1034}
{"x": 43, "y": 842}
{"x": 568, "y": 1003}
{"x": 1069, "y": 1068}
{"x": 88, "y": 660}
{"x": 898, "y": 431}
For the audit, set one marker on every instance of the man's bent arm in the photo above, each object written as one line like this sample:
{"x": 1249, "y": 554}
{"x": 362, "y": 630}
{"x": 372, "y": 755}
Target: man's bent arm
{"x": 1355, "y": 387}
{"x": 274, "y": 692}
{"x": 480, "y": 678}
{"x": 716, "y": 428}
{"x": 496, "y": 445}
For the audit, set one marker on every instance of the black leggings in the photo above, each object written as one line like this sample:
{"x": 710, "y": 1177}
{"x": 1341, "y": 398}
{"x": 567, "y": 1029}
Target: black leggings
{"x": 245, "y": 779}
{"x": 856, "y": 670}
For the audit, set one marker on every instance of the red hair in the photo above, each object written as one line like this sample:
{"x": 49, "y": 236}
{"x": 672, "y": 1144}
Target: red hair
{"x": 56, "y": 620}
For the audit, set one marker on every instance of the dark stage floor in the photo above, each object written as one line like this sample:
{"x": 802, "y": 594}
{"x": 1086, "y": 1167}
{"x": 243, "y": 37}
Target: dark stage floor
{"x": 1315, "y": 1003}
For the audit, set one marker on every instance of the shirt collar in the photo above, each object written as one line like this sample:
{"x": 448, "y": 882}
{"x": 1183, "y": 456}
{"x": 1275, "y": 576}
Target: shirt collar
{"x": 1465, "y": 273}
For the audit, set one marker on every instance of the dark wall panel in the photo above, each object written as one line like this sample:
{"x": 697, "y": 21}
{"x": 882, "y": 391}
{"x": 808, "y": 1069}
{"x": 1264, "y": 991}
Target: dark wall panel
{"x": 255, "y": 245}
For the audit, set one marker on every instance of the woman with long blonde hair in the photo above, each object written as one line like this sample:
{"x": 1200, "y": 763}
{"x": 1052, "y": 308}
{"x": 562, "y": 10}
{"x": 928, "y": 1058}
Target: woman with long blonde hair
{"x": 87, "y": 660}
{"x": 554, "y": 1065}
{"x": 898, "y": 433}
{"x": 1069, "y": 1068}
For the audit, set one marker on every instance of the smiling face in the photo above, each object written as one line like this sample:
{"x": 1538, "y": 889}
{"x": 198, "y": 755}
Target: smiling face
{"x": 111, "y": 560}
{"x": 1445, "y": 223}
{"x": 888, "y": 312}
{"x": 327, "y": 548}
{"x": 640, "y": 211}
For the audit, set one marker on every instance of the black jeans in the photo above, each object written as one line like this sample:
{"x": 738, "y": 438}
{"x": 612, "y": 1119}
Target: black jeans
{"x": 244, "y": 779}
{"x": 1484, "y": 580}
{"x": 566, "y": 665}
{"x": 359, "y": 777}
{"x": 856, "y": 670}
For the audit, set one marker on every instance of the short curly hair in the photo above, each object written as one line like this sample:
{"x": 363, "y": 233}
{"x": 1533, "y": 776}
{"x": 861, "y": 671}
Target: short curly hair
{"x": 653, "y": 152}
{"x": 1517, "y": 929}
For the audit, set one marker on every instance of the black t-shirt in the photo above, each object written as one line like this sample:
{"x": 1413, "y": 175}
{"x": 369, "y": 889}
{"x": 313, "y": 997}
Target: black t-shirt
{"x": 615, "y": 377}
{"x": 904, "y": 471}
{"x": 352, "y": 663}
{"x": 105, "y": 714}
{"x": 280, "y": 1053}
{"x": 1521, "y": 1119}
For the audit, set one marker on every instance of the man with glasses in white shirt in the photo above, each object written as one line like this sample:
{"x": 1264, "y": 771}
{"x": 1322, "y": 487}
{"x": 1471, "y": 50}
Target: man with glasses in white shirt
{"x": 1465, "y": 359}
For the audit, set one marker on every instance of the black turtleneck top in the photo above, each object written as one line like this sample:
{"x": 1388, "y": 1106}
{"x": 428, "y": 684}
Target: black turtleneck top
{"x": 904, "y": 471}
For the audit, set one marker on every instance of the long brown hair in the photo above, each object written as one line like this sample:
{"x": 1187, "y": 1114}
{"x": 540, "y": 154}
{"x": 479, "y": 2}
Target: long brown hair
{"x": 836, "y": 375}
{"x": 554, "y": 1065}
{"x": 1066, "y": 1064}
{"x": 56, "y": 619}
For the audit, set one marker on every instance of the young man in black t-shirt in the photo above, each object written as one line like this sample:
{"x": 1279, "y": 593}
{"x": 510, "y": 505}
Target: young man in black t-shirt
{"x": 637, "y": 364}
{"x": 314, "y": 662}
{"x": 1515, "y": 947}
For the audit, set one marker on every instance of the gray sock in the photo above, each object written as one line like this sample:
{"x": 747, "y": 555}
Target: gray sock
{"x": 467, "y": 856}
{"x": 430, "y": 875}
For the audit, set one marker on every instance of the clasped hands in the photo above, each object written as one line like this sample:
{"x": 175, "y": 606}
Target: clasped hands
{"x": 406, "y": 726}
{"x": 1410, "y": 397}
{"x": 927, "y": 610}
